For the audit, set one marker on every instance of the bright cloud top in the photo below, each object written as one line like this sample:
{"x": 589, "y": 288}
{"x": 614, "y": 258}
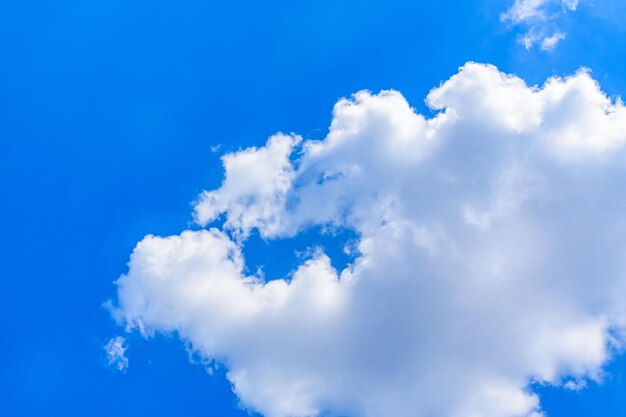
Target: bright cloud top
{"x": 491, "y": 254}
{"x": 539, "y": 18}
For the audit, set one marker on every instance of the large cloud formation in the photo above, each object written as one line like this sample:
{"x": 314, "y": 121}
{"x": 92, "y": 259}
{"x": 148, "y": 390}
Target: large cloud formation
{"x": 491, "y": 255}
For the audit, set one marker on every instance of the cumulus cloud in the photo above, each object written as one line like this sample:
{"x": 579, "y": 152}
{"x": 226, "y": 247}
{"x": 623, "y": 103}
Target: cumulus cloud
{"x": 491, "y": 255}
{"x": 115, "y": 350}
{"x": 539, "y": 19}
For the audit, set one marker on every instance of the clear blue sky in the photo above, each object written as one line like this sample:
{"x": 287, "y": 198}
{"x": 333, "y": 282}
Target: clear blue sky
{"x": 108, "y": 112}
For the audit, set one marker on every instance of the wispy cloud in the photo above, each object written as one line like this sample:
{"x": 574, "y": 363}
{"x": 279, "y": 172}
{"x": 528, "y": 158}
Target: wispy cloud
{"x": 539, "y": 20}
{"x": 116, "y": 353}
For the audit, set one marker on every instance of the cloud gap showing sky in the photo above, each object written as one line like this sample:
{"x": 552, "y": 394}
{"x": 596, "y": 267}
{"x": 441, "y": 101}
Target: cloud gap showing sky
{"x": 489, "y": 255}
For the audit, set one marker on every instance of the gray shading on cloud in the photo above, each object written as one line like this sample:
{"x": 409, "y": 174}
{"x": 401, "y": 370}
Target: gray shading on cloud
{"x": 491, "y": 255}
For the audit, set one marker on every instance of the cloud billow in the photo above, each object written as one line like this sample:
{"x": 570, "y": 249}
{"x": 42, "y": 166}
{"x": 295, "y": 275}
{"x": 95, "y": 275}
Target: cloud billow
{"x": 491, "y": 242}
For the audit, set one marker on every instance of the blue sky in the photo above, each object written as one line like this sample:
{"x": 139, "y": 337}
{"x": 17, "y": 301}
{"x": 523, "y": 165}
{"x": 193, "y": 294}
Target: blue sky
{"x": 110, "y": 115}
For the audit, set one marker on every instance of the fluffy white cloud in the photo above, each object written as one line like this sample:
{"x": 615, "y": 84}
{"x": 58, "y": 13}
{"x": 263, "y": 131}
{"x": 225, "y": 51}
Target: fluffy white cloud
{"x": 115, "y": 350}
{"x": 538, "y": 17}
{"x": 251, "y": 201}
{"x": 491, "y": 254}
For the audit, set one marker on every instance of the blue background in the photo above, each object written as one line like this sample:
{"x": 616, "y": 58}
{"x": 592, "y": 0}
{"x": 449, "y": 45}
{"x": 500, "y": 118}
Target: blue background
{"x": 108, "y": 111}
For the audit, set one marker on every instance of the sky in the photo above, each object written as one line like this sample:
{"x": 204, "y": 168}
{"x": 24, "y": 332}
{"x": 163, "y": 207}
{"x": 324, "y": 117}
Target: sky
{"x": 293, "y": 209}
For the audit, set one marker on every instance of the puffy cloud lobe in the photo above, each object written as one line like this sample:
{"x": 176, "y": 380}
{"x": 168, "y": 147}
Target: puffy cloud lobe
{"x": 490, "y": 255}
{"x": 251, "y": 200}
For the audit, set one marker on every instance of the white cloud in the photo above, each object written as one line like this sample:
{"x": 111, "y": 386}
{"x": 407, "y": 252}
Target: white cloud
{"x": 269, "y": 183}
{"x": 490, "y": 255}
{"x": 548, "y": 43}
{"x": 539, "y": 18}
{"x": 574, "y": 385}
{"x": 116, "y": 353}
{"x": 526, "y": 10}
